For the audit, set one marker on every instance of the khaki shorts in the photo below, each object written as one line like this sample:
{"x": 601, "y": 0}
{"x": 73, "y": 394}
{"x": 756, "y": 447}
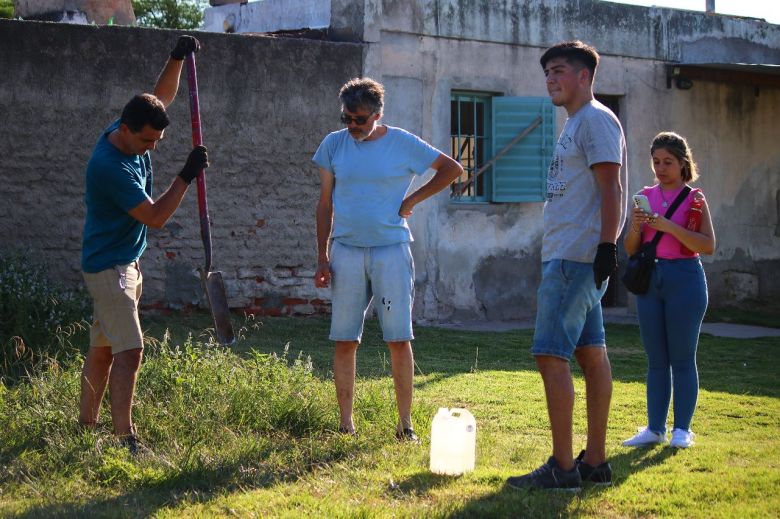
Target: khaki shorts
{"x": 115, "y": 294}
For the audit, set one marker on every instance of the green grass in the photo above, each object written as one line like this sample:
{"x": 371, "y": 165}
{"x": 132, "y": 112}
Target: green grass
{"x": 757, "y": 313}
{"x": 248, "y": 433}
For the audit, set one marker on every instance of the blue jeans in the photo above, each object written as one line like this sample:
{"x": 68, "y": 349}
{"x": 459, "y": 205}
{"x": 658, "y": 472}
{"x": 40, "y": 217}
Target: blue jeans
{"x": 360, "y": 274}
{"x": 568, "y": 310}
{"x": 670, "y": 316}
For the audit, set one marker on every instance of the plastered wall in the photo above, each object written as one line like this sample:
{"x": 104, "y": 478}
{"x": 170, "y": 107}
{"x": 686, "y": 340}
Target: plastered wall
{"x": 265, "y": 105}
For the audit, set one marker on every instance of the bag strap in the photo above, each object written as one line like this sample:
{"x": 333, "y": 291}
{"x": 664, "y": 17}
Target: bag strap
{"x": 670, "y": 212}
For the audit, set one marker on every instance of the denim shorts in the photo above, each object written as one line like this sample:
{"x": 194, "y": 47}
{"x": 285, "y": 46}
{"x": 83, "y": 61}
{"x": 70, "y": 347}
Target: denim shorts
{"x": 568, "y": 314}
{"x": 359, "y": 274}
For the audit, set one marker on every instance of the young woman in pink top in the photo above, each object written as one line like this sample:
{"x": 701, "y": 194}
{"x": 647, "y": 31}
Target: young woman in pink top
{"x": 672, "y": 309}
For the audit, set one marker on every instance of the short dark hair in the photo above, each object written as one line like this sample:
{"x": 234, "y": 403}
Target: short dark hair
{"x": 574, "y": 52}
{"x": 363, "y": 92}
{"x": 145, "y": 109}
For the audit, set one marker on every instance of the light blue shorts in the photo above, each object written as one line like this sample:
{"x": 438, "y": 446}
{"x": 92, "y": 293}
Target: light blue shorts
{"x": 385, "y": 274}
{"x": 568, "y": 314}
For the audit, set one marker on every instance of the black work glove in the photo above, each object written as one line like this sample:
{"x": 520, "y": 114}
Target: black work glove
{"x": 197, "y": 161}
{"x": 605, "y": 263}
{"x": 184, "y": 46}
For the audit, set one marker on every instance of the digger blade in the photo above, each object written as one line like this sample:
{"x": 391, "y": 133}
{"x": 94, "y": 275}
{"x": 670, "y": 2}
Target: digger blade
{"x": 215, "y": 293}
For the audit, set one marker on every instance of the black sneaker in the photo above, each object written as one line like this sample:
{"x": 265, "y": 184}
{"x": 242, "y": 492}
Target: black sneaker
{"x": 548, "y": 476}
{"x": 407, "y": 434}
{"x": 134, "y": 445}
{"x": 600, "y": 475}
{"x": 344, "y": 430}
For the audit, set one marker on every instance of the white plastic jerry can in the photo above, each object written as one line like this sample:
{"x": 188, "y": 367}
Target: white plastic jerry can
{"x": 453, "y": 442}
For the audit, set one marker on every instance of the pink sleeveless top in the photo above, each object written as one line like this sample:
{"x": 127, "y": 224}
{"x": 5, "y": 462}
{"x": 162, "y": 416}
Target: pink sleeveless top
{"x": 669, "y": 246}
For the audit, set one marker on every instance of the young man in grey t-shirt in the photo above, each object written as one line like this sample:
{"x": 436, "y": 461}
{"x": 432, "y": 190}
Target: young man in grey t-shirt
{"x": 583, "y": 216}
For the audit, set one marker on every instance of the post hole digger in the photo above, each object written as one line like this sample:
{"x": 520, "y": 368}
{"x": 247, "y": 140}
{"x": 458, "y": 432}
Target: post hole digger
{"x": 213, "y": 284}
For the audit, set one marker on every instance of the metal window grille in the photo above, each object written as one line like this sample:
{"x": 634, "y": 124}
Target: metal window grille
{"x": 470, "y": 125}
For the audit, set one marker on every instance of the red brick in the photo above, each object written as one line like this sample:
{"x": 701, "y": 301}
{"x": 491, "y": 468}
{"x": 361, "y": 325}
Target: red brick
{"x": 264, "y": 312}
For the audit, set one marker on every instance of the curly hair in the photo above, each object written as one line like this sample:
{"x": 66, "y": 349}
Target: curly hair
{"x": 363, "y": 93}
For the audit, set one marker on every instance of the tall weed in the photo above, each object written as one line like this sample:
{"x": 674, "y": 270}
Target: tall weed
{"x": 213, "y": 419}
{"x": 38, "y": 317}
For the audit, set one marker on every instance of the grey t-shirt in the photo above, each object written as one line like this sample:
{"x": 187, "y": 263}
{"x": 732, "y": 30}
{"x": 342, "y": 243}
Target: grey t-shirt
{"x": 572, "y": 213}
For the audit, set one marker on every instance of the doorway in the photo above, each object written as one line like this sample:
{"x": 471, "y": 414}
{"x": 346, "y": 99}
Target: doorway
{"x": 615, "y": 295}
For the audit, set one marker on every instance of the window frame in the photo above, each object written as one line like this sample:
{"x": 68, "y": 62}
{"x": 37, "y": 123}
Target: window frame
{"x": 533, "y": 153}
{"x": 485, "y": 139}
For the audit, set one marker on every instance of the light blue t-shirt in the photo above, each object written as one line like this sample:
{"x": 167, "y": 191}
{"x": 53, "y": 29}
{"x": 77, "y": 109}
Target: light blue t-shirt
{"x": 115, "y": 184}
{"x": 372, "y": 179}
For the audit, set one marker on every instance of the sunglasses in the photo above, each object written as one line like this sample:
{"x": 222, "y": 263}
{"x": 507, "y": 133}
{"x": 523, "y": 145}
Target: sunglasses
{"x": 360, "y": 120}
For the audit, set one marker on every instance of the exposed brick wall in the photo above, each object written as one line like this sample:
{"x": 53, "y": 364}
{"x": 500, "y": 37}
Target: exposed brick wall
{"x": 266, "y": 103}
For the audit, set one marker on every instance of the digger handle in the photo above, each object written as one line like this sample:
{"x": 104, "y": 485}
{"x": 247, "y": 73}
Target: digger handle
{"x": 197, "y": 140}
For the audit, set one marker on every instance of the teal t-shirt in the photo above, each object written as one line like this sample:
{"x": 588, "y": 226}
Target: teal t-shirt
{"x": 372, "y": 179}
{"x": 115, "y": 184}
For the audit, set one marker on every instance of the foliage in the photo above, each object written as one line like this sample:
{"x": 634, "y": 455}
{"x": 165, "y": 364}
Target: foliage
{"x": 6, "y": 8}
{"x": 213, "y": 420}
{"x": 250, "y": 432}
{"x": 38, "y": 317}
{"x": 169, "y": 14}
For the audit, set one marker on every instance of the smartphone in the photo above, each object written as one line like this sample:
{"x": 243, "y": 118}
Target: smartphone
{"x": 642, "y": 203}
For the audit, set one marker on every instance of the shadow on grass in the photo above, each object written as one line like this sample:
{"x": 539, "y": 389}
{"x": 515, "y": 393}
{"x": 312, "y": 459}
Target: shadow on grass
{"x": 510, "y": 502}
{"x": 724, "y": 363}
{"x": 629, "y": 462}
{"x": 198, "y": 484}
{"x": 420, "y": 484}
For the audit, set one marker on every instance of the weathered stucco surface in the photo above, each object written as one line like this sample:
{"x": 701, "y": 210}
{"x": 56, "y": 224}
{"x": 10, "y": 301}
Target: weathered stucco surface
{"x": 483, "y": 260}
{"x": 267, "y": 102}
{"x": 265, "y": 105}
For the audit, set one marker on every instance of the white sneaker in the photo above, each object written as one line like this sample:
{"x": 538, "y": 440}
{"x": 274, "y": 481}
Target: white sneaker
{"x": 645, "y": 438}
{"x": 682, "y": 439}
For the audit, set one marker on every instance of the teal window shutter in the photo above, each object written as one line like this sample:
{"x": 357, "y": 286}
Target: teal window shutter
{"x": 520, "y": 174}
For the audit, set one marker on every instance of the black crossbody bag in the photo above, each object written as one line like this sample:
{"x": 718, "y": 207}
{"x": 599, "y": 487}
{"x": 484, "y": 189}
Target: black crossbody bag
{"x": 639, "y": 268}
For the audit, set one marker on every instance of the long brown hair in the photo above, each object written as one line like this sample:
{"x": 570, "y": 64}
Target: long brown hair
{"x": 677, "y": 146}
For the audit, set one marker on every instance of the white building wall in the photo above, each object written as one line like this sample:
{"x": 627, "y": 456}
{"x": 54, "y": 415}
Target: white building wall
{"x": 482, "y": 260}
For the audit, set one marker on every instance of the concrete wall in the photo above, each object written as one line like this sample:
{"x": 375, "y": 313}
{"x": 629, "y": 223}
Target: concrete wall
{"x": 483, "y": 260}
{"x": 622, "y": 30}
{"x": 268, "y": 15}
{"x": 342, "y": 20}
{"x": 265, "y": 102}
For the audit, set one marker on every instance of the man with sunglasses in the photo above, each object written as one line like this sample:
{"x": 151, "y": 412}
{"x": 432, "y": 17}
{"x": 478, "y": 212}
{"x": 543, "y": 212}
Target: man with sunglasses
{"x": 366, "y": 170}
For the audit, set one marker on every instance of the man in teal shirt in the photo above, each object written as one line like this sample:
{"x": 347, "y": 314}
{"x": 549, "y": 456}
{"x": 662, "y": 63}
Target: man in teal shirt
{"x": 366, "y": 171}
{"x": 120, "y": 207}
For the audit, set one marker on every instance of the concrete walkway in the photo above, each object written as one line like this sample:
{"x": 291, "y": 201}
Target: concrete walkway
{"x": 611, "y": 315}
